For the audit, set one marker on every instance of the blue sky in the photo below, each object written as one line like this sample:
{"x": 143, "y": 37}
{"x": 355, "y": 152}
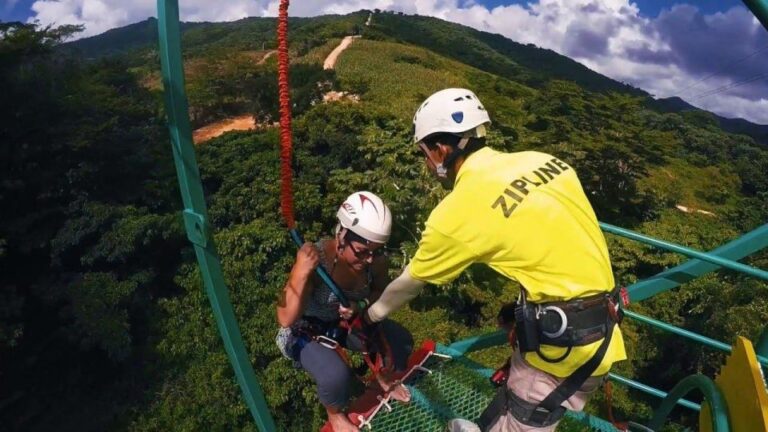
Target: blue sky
{"x": 711, "y": 53}
{"x": 650, "y": 8}
{"x": 16, "y": 11}
{"x": 20, "y": 10}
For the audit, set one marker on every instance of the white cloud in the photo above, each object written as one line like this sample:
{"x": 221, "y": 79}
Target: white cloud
{"x": 99, "y": 16}
{"x": 662, "y": 55}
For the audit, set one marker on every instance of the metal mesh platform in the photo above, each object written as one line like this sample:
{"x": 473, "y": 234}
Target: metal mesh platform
{"x": 452, "y": 390}
{"x": 456, "y": 388}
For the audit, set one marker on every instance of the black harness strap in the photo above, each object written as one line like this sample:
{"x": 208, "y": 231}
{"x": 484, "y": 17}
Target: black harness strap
{"x": 552, "y": 403}
{"x": 550, "y": 410}
{"x": 498, "y": 406}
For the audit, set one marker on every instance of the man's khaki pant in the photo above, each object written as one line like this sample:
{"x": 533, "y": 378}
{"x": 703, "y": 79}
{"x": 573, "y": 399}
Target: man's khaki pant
{"x": 531, "y": 385}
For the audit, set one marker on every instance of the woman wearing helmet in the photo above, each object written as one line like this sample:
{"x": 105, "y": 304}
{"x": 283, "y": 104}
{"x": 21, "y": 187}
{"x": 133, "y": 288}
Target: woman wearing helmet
{"x": 309, "y": 313}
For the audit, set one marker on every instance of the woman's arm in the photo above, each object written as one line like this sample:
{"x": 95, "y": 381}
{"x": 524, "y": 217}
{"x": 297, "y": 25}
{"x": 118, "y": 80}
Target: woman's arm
{"x": 290, "y": 305}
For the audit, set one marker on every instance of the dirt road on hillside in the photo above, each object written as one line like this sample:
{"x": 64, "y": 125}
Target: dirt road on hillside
{"x": 213, "y": 130}
{"x": 266, "y": 56}
{"x": 245, "y": 122}
{"x": 330, "y": 61}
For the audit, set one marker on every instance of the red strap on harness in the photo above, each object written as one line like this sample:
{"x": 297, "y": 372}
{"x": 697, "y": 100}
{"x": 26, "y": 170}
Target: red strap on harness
{"x": 383, "y": 359}
{"x": 624, "y": 295}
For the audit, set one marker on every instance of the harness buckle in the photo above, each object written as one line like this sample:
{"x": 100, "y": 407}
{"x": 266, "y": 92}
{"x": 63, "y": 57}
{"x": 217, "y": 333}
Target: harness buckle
{"x": 543, "y": 311}
{"x": 327, "y": 342}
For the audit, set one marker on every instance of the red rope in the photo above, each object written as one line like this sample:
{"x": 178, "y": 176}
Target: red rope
{"x": 286, "y": 146}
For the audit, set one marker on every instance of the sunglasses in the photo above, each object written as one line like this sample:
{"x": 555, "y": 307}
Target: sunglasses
{"x": 363, "y": 254}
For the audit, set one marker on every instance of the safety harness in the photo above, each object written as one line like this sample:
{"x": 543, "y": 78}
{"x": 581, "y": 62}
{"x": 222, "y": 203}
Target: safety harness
{"x": 576, "y": 322}
{"x": 340, "y": 335}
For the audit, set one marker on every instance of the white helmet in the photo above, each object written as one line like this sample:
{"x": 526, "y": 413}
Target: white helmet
{"x": 452, "y": 110}
{"x": 366, "y": 215}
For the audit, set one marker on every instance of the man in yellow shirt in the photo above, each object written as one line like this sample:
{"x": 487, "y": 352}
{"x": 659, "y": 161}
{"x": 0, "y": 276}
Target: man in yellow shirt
{"x": 526, "y": 216}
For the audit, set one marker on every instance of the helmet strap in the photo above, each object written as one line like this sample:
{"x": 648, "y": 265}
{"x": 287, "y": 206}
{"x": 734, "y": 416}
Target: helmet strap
{"x": 441, "y": 169}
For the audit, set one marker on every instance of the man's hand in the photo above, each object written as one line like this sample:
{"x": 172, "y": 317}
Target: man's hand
{"x": 366, "y": 319}
{"x": 351, "y": 311}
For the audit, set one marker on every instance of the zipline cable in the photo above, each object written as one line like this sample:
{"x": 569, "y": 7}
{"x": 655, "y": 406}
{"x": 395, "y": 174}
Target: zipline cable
{"x": 286, "y": 145}
{"x": 721, "y": 70}
{"x": 730, "y": 86}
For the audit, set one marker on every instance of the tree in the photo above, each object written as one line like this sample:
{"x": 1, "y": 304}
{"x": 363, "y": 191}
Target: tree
{"x": 89, "y": 236}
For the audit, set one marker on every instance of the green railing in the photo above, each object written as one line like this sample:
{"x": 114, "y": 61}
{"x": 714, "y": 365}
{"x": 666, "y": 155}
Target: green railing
{"x": 701, "y": 264}
{"x": 708, "y": 257}
{"x": 671, "y": 278}
{"x": 711, "y": 394}
{"x": 650, "y": 390}
{"x": 687, "y": 334}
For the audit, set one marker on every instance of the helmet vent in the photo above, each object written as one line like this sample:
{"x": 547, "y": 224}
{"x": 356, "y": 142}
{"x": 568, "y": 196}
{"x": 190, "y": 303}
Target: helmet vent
{"x": 460, "y": 98}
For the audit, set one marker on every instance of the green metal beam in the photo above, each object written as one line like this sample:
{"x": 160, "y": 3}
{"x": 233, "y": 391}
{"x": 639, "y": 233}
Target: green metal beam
{"x": 761, "y": 357}
{"x": 761, "y": 349}
{"x": 721, "y": 257}
{"x": 195, "y": 212}
{"x": 718, "y": 409}
{"x": 760, "y": 9}
{"x": 651, "y": 390}
{"x": 745, "y": 245}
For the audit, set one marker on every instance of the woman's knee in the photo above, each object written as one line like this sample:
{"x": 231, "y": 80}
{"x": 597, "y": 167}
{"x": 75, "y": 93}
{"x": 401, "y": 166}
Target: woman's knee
{"x": 331, "y": 375}
{"x": 333, "y": 386}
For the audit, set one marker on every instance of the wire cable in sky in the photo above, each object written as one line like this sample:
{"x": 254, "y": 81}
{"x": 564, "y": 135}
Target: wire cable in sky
{"x": 722, "y": 69}
{"x": 730, "y": 86}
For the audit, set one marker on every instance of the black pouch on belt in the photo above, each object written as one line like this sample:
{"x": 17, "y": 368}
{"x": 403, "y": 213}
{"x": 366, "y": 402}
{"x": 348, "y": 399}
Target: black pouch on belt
{"x": 527, "y": 326}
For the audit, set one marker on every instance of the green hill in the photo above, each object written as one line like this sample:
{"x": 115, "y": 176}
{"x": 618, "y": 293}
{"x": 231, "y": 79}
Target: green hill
{"x": 493, "y": 53}
{"x": 201, "y": 38}
{"x": 732, "y": 125}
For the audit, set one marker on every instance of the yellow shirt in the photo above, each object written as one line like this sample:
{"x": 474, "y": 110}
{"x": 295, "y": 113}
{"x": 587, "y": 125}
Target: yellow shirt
{"x": 526, "y": 216}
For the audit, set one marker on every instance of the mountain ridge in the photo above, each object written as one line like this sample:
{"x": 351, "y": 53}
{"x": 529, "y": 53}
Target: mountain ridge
{"x": 524, "y": 63}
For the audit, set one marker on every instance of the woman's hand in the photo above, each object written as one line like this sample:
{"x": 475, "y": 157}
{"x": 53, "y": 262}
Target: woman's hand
{"x": 307, "y": 259}
{"x": 291, "y": 302}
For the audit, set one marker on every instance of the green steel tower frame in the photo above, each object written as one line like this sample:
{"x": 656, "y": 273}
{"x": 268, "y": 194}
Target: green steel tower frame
{"x": 196, "y": 214}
